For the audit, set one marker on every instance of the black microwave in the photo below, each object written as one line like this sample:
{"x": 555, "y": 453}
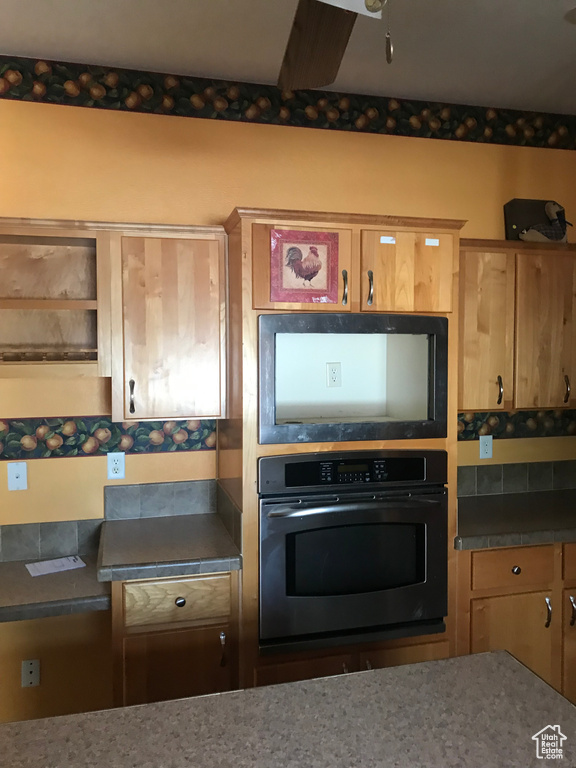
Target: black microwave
{"x": 338, "y": 377}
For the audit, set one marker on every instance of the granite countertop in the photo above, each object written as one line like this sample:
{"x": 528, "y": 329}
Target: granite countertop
{"x": 469, "y": 712}
{"x": 180, "y": 545}
{"x": 512, "y": 519}
{"x": 33, "y": 597}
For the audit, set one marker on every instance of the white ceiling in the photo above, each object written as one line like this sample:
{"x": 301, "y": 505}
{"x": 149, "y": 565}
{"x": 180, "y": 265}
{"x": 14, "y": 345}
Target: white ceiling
{"x": 517, "y": 54}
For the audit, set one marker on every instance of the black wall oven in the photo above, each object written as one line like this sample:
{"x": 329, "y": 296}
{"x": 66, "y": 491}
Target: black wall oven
{"x": 353, "y": 547}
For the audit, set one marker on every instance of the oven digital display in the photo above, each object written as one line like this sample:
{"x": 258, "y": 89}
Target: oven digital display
{"x": 353, "y": 468}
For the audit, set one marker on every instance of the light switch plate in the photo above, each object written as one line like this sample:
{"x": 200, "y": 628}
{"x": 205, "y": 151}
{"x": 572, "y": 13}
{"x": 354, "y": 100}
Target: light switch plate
{"x": 17, "y": 476}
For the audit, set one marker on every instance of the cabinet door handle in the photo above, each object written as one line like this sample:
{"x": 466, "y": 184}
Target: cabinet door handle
{"x": 371, "y": 284}
{"x": 180, "y": 602}
{"x": 345, "y": 291}
{"x": 516, "y": 570}
{"x": 223, "y": 644}
{"x": 568, "y": 388}
{"x": 132, "y": 384}
{"x": 548, "y": 612}
{"x": 573, "y": 604}
{"x": 500, "y": 390}
{"x": 344, "y": 668}
{"x": 368, "y": 664}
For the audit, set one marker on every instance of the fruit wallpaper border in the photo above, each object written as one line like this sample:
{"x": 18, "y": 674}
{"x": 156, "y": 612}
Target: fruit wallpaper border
{"x": 97, "y": 435}
{"x": 559, "y": 423}
{"x": 83, "y": 85}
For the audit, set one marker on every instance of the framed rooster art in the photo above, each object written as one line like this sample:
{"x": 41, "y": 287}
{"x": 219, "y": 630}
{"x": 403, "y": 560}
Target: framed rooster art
{"x": 304, "y": 266}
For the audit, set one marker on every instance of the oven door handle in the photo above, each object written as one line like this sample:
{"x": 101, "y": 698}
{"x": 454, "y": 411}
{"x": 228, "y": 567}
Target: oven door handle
{"x": 302, "y": 510}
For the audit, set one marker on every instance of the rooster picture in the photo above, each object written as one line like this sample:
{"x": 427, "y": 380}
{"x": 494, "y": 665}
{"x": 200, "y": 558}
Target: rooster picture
{"x": 304, "y": 268}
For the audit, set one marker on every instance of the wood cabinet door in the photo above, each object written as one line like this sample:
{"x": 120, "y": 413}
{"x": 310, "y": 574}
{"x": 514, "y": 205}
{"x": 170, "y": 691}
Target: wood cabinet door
{"x": 544, "y": 327}
{"x": 173, "y": 293}
{"x": 291, "y": 671}
{"x": 292, "y": 279}
{"x": 406, "y": 271}
{"x": 176, "y": 664}
{"x": 517, "y": 624}
{"x": 486, "y": 355}
{"x": 409, "y": 654}
{"x": 569, "y": 644}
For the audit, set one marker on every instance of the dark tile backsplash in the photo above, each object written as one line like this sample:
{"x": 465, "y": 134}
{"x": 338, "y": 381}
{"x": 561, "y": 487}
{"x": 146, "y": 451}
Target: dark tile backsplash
{"x": 191, "y": 497}
{"x": 33, "y": 541}
{"x": 484, "y": 480}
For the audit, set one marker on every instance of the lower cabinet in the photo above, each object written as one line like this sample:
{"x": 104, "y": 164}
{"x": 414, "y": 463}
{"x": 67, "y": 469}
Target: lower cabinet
{"x": 326, "y": 666}
{"x": 518, "y": 624}
{"x": 569, "y": 644}
{"x": 174, "y": 638}
{"x": 511, "y": 599}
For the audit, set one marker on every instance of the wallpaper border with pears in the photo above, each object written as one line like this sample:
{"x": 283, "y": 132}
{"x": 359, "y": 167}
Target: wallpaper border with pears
{"x": 83, "y": 85}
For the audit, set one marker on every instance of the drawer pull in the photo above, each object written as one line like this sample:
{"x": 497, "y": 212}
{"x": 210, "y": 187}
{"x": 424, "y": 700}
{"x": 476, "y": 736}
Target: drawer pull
{"x": 516, "y": 570}
{"x": 548, "y": 612}
{"x": 223, "y": 644}
{"x": 345, "y": 292}
{"x": 180, "y": 602}
{"x": 368, "y": 664}
{"x": 573, "y": 604}
{"x": 344, "y": 668}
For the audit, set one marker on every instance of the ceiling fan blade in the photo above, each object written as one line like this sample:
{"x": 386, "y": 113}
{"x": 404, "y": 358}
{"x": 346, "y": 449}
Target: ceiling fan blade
{"x": 316, "y": 45}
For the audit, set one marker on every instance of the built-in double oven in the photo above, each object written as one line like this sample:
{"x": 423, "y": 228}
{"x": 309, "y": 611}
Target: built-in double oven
{"x": 353, "y": 547}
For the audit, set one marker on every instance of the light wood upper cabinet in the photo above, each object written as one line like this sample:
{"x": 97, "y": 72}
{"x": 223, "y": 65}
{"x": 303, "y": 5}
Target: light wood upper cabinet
{"x": 381, "y": 263}
{"x": 406, "y": 271}
{"x": 544, "y": 328}
{"x": 169, "y": 319}
{"x": 329, "y": 288}
{"x": 54, "y": 299}
{"x": 516, "y": 325}
{"x": 486, "y": 342}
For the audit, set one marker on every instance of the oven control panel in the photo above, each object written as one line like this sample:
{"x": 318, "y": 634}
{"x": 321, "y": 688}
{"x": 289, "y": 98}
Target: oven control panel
{"x": 352, "y": 471}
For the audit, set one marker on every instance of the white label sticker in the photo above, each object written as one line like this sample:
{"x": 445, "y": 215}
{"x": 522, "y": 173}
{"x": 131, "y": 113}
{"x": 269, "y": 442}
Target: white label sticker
{"x": 387, "y": 239}
{"x": 432, "y": 241}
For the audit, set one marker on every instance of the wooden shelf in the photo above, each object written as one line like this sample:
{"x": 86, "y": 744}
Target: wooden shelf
{"x": 44, "y": 304}
{"x": 55, "y": 355}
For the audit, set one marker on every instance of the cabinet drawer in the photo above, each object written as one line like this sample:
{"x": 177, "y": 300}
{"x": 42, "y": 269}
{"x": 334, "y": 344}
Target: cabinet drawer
{"x": 570, "y": 562}
{"x": 154, "y": 602}
{"x": 513, "y": 567}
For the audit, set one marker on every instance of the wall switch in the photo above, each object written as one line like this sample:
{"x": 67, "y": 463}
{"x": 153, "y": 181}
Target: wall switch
{"x": 333, "y": 374}
{"x": 486, "y": 446}
{"x": 17, "y": 476}
{"x": 30, "y": 673}
{"x": 116, "y": 469}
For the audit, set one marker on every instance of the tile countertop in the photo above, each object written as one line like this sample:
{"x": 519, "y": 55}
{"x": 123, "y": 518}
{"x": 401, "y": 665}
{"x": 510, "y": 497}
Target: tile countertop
{"x": 34, "y": 597}
{"x": 469, "y": 712}
{"x": 181, "y": 545}
{"x": 512, "y": 519}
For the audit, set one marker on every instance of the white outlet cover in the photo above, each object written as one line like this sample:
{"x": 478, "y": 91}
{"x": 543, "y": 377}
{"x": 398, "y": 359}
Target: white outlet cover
{"x": 485, "y": 446}
{"x": 17, "y": 476}
{"x": 116, "y": 465}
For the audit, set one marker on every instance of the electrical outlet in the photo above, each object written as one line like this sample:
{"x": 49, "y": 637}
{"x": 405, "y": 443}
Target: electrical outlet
{"x": 30, "y": 673}
{"x": 333, "y": 374}
{"x": 116, "y": 467}
{"x": 486, "y": 446}
{"x": 17, "y": 476}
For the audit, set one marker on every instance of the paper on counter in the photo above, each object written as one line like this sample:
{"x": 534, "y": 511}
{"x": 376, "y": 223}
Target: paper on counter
{"x": 54, "y": 566}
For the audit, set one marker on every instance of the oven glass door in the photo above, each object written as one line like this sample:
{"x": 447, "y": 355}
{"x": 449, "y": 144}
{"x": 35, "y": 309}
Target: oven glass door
{"x": 337, "y": 566}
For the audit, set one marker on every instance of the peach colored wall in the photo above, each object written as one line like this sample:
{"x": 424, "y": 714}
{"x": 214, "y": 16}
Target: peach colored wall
{"x": 70, "y": 163}
{"x": 66, "y": 162}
